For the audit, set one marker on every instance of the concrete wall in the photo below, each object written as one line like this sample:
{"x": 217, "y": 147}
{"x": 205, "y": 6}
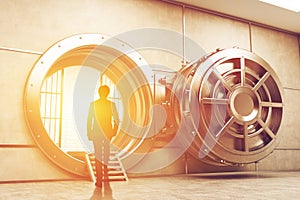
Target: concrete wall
{"x": 36, "y": 25}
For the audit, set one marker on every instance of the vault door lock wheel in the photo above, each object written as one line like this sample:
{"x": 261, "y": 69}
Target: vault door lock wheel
{"x": 240, "y": 107}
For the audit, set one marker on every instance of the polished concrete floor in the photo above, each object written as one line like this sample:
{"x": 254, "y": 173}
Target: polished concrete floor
{"x": 267, "y": 185}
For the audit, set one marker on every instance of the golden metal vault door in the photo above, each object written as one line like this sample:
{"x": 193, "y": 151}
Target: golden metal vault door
{"x": 235, "y": 106}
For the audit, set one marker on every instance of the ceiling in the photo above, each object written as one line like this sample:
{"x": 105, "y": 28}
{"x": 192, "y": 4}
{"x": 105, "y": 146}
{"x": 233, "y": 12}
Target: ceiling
{"x": 252, "y": 10}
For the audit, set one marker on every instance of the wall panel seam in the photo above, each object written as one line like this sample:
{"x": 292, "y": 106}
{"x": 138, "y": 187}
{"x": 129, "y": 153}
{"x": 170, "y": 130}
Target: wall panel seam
{"x": 219, "y": 14}
{"x": 287, "y": 148}
{"x": 20, "y": 50}
{"x": 17, "y": 146}
{"x": 289, "y": 88}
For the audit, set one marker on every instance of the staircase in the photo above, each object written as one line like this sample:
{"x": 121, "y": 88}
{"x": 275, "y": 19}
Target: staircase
{"x": 116, "y": 171}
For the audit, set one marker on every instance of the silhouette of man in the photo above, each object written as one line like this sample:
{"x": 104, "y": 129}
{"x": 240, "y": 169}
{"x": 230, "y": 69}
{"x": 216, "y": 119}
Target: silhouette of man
{"x": 100, "y": 129}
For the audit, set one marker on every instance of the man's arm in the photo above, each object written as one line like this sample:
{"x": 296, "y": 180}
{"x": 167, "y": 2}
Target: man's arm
{"x": 90, "y": 122}
{"x": 116, "y": 120}
{"x": 115, "y": 113}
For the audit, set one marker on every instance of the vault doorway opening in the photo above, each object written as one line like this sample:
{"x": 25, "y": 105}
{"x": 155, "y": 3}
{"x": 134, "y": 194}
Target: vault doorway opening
{"x": 64, "y": 81}
{"x": 57, "y": 113}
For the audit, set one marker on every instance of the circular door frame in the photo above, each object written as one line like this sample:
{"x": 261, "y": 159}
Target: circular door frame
{"x": 34, "y": 84}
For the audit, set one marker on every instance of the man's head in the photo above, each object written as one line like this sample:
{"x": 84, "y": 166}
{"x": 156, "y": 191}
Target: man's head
{"x": 103, "y": 91}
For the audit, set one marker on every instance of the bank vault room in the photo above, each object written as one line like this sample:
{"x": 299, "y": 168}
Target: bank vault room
{"x": 150, "y": 99}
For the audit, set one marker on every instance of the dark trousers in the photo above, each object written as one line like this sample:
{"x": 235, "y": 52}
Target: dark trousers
{"x": 102, "y": 152}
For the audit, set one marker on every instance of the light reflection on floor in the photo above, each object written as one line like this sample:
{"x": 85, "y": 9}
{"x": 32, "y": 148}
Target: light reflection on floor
{"x": 267, "y": 185}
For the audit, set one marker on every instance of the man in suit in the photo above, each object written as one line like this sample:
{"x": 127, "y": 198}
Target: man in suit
{"x": 102, "y": 125}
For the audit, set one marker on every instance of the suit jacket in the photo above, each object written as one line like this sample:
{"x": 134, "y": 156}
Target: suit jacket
{"x": 102, "y": 120}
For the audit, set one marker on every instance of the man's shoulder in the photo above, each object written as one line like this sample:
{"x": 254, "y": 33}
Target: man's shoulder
{"x": 94, "y": 102}
{"x": 102, "y": 101}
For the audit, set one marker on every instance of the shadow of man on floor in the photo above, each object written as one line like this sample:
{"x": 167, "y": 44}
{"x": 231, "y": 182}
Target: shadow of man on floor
{"x": 102, "y": 193}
